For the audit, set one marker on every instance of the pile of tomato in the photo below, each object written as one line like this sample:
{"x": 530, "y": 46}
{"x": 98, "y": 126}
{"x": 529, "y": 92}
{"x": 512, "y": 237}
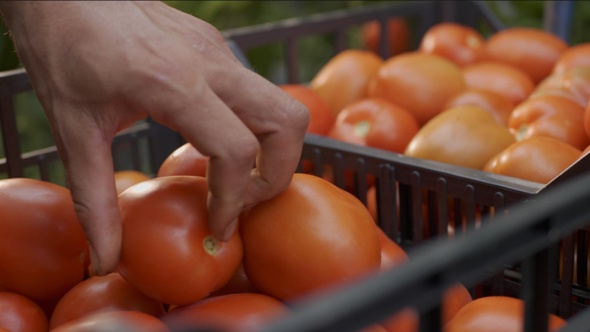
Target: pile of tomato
{"x": 515, "y": 103}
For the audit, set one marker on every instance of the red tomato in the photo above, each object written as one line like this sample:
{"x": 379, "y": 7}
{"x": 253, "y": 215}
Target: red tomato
{"x": 126, "y": 178}
{"x": 377, "y": 123}
{"x": 507, "y": 80}
{"x": 45, "y": 243}
{"x": 312, "y": 236}
{"x": 418, "y": 82}
{"x": 459, "y": 43}
{"x": 20, "y": 314}
{"x": 120, "y": 320}
{"x": 551, "y": 116}
{"x": 321, "y": 117}
{"x": 498, "y": 105}
{"x": 345, "y": 77}
{"x": 392, "y": 254}
{"x": 101, "y": 293}
{"x": 493, "y": 314}
{"x": 587, "y": 121}
{"x": 398, "y": 31}
{"x": 165, "y": 231}
{"x": 232, "y": 312}
{"x": 532, "y": 50}
{"x": 185, "y": 160}
{"x": 238, "y": 283}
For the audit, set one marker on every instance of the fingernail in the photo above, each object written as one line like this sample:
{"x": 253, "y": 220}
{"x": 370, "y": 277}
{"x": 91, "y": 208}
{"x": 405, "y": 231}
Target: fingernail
{"x": 229, "y": 231}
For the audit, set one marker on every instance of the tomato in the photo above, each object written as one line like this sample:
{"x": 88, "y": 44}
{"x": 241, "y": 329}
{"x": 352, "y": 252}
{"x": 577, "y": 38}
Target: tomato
{"x": 392, "y": 254}
{"x": 321, "y": 116}
{"x": 498, "y": 105}
{"x": 377, "y": 123}
{"x": 185, "y": 160}
{"x": 165, "y": 231}
{"x": 418, "y": 82}
{"x": 587, "y": 121}
{"x": 495, "y": 313}
{"x": 231, "y": 312}
{"x": 407, "y": 320}
{"x": 552, "y": 116}
{"x": 238, "y": 283}
{"x": 312, "y": 236}
{"x": 20, "y": 314}
{"x": 43, "y": 240}
{"x": 126, "y": 178}
{"x": 344, "y": 78}
{"x": 459, "y": 43}
{"x": 397, "y": 30}
{"x": 500, "y": 78}
{"x": 119, "y": 320}
{"x": 532, "y": 50}
{"x": 573, "y": 83}
{"x": 538, "y": 158}
{"x": 574, "y": 56}
{"x": 466, "y": 136}
{"x": 101, "y": 293}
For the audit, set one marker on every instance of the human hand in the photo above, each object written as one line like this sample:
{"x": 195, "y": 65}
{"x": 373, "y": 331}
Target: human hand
{"x": 97, "y": 67}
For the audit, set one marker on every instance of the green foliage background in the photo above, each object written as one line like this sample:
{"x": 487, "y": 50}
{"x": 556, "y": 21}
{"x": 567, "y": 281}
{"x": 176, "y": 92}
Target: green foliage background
{"x": 226, "y": 15}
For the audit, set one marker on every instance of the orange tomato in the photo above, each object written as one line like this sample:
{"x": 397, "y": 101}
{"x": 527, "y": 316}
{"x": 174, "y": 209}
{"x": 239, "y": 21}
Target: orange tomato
{"x": 498, "y": 105}
{"x": 101, "y": 293}
{"x": 538, "y": 159}
{"x": 495, "y": 313}
{"x": 185, "y": 160}
{"x": 466, "y": 136}
{"x": 572, "y": 83}
{"x": 398, "y": 31}
{"x": 392, "y": 254}
{"x": 457, "y": 42}
{"x": 587, "y": 121}
{"x": 45, "y": 243}
{"x": 238, "y": 283}
{"x": 294, "y": 243}
{"x": 20, "y": 314}
{"x": 127, "y": 178}
{"x": 377, "y": 123}
{"x": 345, "y": 77}
{"x": 165, "y": 231}
{"x": 574, "y": 56}
{"x": 552, "y": 116}
{"x": 418, "y": 82}
{"x": 231, "y": 312}
{"x": 500, "y": 78}
{"x": 118, "y": 320}
{"x": 532, "y": 50}
{"x": 321, "y": 117}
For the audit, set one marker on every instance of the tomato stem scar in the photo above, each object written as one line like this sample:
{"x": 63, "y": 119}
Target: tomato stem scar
{"x": 211, "y": 245}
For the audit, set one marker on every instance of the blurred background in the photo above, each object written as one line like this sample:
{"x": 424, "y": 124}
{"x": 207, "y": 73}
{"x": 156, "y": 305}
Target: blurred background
{"x": 227, "y": 15}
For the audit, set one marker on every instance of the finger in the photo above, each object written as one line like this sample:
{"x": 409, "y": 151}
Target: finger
{"x": 215, "y": 131}
{"x": 88, "y": 164}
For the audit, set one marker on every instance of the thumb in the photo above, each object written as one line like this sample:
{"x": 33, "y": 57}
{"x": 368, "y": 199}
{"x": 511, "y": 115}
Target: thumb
{"x": 89, "y": 168}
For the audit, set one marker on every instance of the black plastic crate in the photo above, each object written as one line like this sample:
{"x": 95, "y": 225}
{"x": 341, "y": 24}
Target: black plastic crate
{"x": 522, "y": 238}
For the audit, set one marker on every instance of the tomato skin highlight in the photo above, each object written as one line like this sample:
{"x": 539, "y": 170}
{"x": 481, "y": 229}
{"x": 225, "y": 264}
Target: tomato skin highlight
{"x": 312, "y": 236}
{"x": 165, "y": 232}
{"x": 185, "y": 160}
{"x": 42, "y": 240}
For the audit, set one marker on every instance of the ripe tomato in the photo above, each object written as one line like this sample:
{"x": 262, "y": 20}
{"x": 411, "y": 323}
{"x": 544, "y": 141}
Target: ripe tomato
{"x": 574, "y": 56}
{"x": 377, "y": 123}
{"x": 101, "y": 293}
{"x": 552, "y": 116}
{"x": 312, "y": 236}
{"x": 165, "y": 232}
{"x": 45, "y": 241}
{"x": 572, "y": 83}
{"x": 231, "y": 312}
{"x": 397, "y": 30}
{"x": 344, "y": 78}
{"x": 500, "y": 78}
{"x": 418, "y": 82}
{"x": 537, "y": 158}
{"x": 126, "y": 178}
{"x": 498, "y": 105}
{"x": 532, "y": 50}
{"x": 587, "y": 121}
{"x": 185, "y": 160}
{"x": 119, "y": 320}
{"x": 457, "y": 42}
{"x": 392, "y": 254}
{"x": 20, "y": 314}
{"x": 466, "y": 136}
{"x": 321, "y": 116}
{"x": 238, "y": 283}
{"x": 495, "y": 313}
